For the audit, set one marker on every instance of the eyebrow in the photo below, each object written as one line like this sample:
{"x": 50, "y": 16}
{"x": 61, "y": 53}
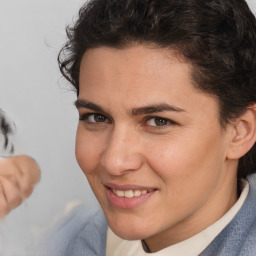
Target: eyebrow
{"x": 155, "y": 108}
{"x": 87, "y": 104}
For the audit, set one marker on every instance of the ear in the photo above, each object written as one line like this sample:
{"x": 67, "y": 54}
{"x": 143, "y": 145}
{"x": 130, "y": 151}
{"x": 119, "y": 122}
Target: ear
{"x": 244, "y": 134}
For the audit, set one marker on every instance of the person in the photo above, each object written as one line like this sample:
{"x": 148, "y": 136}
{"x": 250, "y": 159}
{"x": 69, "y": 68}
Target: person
{"x": 166, "y": 94}
{"x": 18, "y": 174}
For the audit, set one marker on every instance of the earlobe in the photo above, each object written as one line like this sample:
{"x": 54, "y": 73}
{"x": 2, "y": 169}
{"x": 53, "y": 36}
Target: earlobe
{"x": 244, "y": 135}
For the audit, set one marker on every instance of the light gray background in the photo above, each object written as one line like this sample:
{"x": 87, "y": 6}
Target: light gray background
{"x": 41, "y": 103}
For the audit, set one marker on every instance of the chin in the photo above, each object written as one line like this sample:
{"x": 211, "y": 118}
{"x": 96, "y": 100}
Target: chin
{"x": 129, "y": 230}
{"x": 127, "y": 234}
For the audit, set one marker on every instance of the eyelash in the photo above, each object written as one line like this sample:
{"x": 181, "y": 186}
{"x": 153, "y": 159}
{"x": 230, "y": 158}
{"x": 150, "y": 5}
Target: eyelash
{"x": 85, "y": 118}
{"x": 168, "y": 122}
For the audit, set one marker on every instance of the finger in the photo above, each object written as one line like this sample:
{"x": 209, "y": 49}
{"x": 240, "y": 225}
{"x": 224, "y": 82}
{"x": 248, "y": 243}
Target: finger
{"x": 12, "y": 193}
{"x": 25, "y": 186}
{"x": 4, "y": 208}
{"x": 28, "y": 168}
{"x": 8, "y": 167}
{"x": 18, "y": 176}
{"x": 29, "y": 176}
{"x": 23, "y": 171}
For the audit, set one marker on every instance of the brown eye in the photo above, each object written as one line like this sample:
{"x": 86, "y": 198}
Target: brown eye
{"x": 91, "y": 118}
{"x": 99, "y": 118}
{"x": 160, "y": 121}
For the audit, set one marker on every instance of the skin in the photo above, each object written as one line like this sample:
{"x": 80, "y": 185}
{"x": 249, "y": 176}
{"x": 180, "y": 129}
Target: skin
{"x": 183, "y": 157}
{"x": 18, "y": 176}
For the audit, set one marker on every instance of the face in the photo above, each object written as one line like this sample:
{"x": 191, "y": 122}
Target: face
{"x": 151, "y": 145}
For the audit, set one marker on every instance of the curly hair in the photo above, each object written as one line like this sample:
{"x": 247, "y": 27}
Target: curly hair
{"x": 218, "y": 37}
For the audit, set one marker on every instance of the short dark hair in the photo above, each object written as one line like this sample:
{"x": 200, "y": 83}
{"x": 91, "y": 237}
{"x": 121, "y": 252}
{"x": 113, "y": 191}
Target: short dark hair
{"x": 218, "y": 37}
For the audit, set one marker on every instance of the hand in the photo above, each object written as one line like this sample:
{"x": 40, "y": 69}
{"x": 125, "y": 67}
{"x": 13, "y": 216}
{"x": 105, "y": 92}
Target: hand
{"x": 18, "y": 176}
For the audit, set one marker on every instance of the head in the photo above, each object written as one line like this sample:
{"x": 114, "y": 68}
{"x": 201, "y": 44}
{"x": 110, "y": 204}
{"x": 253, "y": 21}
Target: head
{"x": 212, "y": 42}
{"x": 217, "y": 37}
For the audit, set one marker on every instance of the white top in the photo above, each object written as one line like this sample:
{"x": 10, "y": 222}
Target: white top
{"x": 190, "y": 247}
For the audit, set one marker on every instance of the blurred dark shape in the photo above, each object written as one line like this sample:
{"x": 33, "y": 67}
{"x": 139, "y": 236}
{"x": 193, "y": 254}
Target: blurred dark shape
{"x": 6, "y": 130}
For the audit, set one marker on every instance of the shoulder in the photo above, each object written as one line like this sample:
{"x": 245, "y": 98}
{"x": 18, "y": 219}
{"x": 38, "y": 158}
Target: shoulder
{"x": 249, "y": 245}
{"x": 82, "y": 231}
{"x": 239, "y": 236}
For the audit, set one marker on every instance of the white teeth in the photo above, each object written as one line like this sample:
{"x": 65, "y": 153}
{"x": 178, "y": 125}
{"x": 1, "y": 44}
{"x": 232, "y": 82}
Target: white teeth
{"x": 129, "y": 193}
{"x": 143, "y": 192}
{"x": 137, "y": 192}
{"x": 119, "y": 193}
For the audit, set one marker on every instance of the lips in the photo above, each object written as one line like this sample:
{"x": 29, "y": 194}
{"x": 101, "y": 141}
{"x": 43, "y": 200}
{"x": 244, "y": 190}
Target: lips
{"x": 128, "y": 196}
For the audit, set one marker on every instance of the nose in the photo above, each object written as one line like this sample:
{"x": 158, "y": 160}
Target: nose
{"x": 122, "y": 153}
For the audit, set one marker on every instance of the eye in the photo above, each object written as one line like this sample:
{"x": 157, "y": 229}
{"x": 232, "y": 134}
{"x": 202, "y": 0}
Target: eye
{"x": 93, "y": 118}
{"x": 96, "y": 118}
{"x": 158, "y": 122}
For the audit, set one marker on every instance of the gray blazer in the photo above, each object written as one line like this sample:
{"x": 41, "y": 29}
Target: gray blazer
{"x": 84, "y": 234}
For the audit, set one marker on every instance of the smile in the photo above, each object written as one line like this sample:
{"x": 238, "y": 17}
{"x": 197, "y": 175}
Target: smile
{"x": 130, "y": 193}
{"x": 127, "y": 197}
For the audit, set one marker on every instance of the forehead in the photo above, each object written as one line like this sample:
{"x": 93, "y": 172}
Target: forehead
{"x": 138, "y": 74}
{"x": 138, "y": 65}
{"x": 134, "y": 56}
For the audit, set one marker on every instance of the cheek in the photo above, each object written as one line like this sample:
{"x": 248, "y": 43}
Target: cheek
{"x": 170, "y": 159}
{"x": 181, "y": 164}
{"x": 87, "y": 152}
